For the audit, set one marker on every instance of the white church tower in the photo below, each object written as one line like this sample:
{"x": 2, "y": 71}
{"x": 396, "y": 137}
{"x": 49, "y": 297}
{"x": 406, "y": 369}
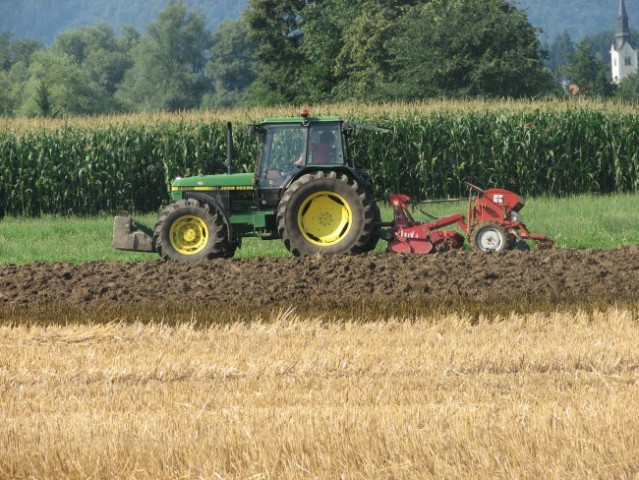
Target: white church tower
{"x": 623, "y": 55}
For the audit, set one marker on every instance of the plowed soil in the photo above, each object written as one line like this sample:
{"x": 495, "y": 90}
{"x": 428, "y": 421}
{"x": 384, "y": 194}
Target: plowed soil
{"x": 387, "y": 283}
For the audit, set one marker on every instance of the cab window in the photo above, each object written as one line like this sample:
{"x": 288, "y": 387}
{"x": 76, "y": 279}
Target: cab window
{"x": 325, "y": 145}
{"x": 284, "y": 146}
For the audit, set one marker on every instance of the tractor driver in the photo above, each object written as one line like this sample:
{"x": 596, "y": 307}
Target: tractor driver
{"x": 324, "y": 151}
{"x": 321, "y": 153}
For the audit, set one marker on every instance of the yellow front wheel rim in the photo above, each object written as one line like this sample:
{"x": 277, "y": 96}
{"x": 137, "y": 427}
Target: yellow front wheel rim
{"x": 189, "y": 234}
{"x": 324, "y": 218}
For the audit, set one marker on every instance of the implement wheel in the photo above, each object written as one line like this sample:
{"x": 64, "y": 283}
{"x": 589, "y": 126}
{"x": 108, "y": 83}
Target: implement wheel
{"x": 188, "y": 230}
{"x": 490, "y": 237}
{"x": 326, "y": 212}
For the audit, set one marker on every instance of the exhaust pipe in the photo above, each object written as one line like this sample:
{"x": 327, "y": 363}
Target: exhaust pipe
{"x": 229, "y": 147}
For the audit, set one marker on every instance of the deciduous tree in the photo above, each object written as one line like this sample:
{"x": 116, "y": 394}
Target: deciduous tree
{"x": 560, "y": 49}
{"x": 629, "y": 88}
{"x": 276, "y": 28}
{"x": 57, "y": 86}
{"x": 232, "y": 68}
{"x": 467, "y": 48}
{"x": 589, "y": 73}
{"x": 100, "y": 55}
{"x": 168, "y": 71}
{"x": 366, "y": 62}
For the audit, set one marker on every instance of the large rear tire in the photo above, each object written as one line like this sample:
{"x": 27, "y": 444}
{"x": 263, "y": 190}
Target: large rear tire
{"x": 188, "y": 231}
{"x": 328, "y": 213}
{"x": 374, "y": 238}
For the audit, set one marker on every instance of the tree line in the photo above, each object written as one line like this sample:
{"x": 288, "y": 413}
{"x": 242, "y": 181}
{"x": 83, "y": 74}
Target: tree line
{"x": 290, "y": 51}
{"x": 42, "y": 20}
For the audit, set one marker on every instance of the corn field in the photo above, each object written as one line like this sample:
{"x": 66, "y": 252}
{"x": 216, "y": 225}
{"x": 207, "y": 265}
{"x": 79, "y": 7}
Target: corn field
{"x": 103, "y": 165}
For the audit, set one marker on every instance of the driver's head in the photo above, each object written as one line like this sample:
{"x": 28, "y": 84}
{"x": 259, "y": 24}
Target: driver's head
{"x": 327, "y": 137}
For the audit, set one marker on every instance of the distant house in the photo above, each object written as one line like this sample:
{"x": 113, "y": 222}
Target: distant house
{"x": 623, "y": 56}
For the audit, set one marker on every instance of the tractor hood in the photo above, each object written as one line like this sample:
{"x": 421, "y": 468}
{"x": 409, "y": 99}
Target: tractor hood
{"x": 203, "y": 183}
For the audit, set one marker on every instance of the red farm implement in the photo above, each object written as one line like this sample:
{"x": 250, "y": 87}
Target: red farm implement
{"x": 493, "y": 223}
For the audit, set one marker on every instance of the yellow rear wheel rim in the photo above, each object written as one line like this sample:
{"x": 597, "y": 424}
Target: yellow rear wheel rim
{"x": 324, "y": 218}
{"x": 188, "y": 235}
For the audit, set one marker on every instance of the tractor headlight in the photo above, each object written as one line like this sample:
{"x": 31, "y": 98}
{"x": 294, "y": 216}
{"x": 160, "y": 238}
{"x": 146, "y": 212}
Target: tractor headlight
{"x": 516, "y": 217}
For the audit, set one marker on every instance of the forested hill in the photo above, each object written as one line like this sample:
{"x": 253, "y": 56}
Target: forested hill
{"x": 579, "y": 18}
{"x": 42, "y": 20}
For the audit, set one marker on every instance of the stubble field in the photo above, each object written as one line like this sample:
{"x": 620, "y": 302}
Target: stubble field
{"x": 460, "y": 365}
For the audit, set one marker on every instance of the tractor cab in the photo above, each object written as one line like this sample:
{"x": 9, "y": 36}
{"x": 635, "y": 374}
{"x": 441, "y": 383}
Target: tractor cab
{"x": 287, "y": 148}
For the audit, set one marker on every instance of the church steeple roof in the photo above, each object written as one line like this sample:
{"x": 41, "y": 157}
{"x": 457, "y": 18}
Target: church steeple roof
{"x": 623, "y": 30}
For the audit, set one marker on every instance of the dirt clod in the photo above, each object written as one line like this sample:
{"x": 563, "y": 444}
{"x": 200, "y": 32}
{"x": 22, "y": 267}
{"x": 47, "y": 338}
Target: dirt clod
{"x": 332, "y": 283}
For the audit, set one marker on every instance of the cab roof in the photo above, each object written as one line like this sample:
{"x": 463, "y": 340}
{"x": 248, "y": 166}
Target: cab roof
{"x": 299, "y": 119}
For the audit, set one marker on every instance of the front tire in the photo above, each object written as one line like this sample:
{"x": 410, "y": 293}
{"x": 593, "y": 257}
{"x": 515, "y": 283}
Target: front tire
{"x": 328, "y": 213}
{"x": 188, "y": 231}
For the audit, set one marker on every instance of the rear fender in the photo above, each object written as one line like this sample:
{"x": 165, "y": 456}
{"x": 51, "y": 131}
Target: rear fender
{"x": 355, "y": 174}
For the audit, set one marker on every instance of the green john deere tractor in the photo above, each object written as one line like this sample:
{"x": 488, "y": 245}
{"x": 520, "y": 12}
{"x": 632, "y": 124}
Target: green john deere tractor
{"x": 303, "y": 191}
